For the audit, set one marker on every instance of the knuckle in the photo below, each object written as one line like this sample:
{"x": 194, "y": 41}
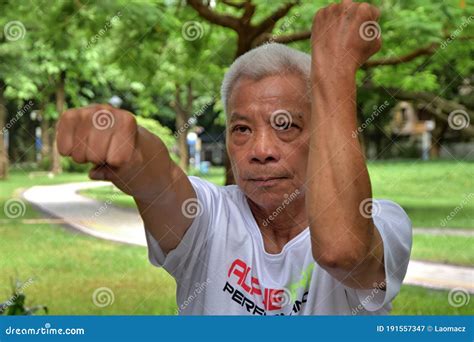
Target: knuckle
{"x": 93, "y": 156}
{"x": 130, "y": 122}
{"x": 117, "y": 159}
{"x": 100, "y": 106}
{"x": 96, "y": 109}
{"x": 102, "y": 117}
{"x": 67, "y": 115}
{"x": 62, "y": 148}
{"x": 364, "y": 8}
{"x": 78, "y": 158}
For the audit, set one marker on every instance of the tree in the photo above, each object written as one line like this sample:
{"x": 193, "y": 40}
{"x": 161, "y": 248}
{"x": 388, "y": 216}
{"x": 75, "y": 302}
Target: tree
{"x": 418, "y": 45}
{"x": 166, "y": 57}
{"x": 15, "y": 69}
{"x": 69, "y": 69}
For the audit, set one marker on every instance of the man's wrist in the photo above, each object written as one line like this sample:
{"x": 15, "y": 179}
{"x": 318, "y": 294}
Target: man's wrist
{"x": 333, "y": 84}
{"x": 323, "y": 70}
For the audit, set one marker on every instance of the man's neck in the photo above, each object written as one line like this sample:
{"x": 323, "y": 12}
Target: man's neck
{"x": 279, "y": 227}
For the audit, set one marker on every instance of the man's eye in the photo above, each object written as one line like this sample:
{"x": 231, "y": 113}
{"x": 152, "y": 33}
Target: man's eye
{"x": 240, "y": 129}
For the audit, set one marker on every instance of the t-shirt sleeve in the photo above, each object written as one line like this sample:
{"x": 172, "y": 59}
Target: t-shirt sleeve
{"x": 190, "y": 252}
{"x": 395, "y": 228}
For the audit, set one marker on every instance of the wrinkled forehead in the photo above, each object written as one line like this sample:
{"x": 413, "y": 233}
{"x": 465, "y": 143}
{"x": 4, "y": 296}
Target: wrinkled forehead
{"x": 265, "y": 95}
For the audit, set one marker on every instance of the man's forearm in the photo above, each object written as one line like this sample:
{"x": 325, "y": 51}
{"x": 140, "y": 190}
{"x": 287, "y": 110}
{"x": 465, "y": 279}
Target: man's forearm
{"x": 161, "y": 187}
{"x": 338, "y": 179}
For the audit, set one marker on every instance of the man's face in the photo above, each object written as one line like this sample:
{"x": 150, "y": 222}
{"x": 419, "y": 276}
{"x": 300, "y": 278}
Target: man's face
{"x": 268, "y": 137}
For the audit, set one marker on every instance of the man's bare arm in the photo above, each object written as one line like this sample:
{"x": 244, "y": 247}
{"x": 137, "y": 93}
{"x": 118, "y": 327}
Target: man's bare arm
{"x": 135, "y": 160}
{"x": 344, "y": 241}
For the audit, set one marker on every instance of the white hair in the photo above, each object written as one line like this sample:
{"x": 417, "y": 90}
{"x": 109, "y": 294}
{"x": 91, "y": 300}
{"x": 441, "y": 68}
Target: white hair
{"x": 266, "y": 60}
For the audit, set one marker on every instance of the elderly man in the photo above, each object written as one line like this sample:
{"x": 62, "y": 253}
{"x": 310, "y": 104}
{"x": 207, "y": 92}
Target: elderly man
{"x": 299, "y": 233}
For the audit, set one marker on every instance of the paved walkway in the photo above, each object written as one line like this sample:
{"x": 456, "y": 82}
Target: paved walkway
{"x": 445, "y": 231}
{"x": 106, "y": 221}
{"x": 96, "y": 218}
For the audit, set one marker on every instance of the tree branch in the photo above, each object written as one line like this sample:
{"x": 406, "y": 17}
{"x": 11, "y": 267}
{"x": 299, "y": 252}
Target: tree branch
{"x": 248, "y": 13}
{"x": 268, "y": 23}
{"x": 427, "y": 50}
{"x": 238, "y": 5}
{"x": 423, "y": 51}
{"x": 436, "y": 105}
{"x": 214, "y": 17}
{"x": 283, "y": 39}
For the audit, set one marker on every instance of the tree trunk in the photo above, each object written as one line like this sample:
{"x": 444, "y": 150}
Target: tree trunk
{"x": 182, "y": 139}
{"x": 60, "y": 101}
{"x": 182, "y": 116}
{"x": 3, "y": 147}
{"x": 437, "y": 136}
{"x": 45, "y": 137}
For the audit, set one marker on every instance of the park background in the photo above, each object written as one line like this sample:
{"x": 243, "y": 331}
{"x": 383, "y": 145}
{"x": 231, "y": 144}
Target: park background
{"x": 164, "y": 61}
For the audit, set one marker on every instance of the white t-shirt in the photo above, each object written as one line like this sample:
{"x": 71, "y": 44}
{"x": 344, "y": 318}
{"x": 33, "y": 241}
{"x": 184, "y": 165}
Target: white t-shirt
{"x": 221, "y": 267}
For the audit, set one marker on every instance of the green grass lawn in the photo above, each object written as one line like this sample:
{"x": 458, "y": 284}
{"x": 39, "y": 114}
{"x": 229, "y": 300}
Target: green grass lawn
{"x": 67, "y": 268}
{"x": 428, "y": 191}
{"x": 414, "y": 300}
{"x": 446, "y": 249}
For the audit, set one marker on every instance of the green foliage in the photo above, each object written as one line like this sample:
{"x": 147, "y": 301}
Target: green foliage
{"x": 156, "y": 128}
{"x": 68, "y": 165}
{"x": 138, "y": 51}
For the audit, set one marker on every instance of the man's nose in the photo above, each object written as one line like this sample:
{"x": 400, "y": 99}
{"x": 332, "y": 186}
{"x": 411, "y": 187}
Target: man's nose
{"x": 264, "y": 148}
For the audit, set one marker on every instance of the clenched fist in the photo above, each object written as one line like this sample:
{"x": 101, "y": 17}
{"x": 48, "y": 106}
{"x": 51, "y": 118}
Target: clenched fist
{"x": 99, "y": 134}
{"x": 105, "y": 136}
{"x": 344, "y": 36}
{"x": 135, "y": 160}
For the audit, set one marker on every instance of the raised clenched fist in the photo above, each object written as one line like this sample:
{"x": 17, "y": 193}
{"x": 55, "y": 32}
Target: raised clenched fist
{"x": 344, "y": 36}
{"x": 100, "y": 134}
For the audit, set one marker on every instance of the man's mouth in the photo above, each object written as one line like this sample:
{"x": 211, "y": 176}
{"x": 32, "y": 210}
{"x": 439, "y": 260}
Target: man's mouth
{"x": 266, "y": 181}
